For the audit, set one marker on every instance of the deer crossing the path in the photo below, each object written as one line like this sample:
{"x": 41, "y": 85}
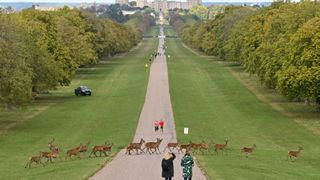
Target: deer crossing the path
{"x": 171, "y": 146}
{"x": 34, "y": 159}
{"x": 294, "y": 154}
{"x": 101, "y": 149}
{"x": 221, "y": 146}
{"x": 150, "y": 146}
{"x": 74, "y": 152}
{"x": 135, "y": 146}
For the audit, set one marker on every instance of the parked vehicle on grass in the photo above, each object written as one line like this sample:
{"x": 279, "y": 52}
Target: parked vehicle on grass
{"x": 82, "y": 91}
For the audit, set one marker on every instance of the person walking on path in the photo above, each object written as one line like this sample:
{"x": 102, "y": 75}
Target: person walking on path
{"x": 161, "y": 124}
{"x": 187, "y": 164}
{"x": 156, "y": 126}
{"x": 167, "y": 165}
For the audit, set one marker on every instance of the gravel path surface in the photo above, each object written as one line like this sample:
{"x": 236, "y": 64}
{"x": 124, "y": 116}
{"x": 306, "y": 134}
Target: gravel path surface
{"x": 157, "y": 105}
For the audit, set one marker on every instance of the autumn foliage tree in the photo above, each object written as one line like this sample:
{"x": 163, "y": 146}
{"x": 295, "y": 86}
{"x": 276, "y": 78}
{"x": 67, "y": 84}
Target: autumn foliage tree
{"x": 41, "y": 50}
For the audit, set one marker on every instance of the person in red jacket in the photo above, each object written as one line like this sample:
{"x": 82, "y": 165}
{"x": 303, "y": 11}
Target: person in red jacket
{"x": 161, "y": 124}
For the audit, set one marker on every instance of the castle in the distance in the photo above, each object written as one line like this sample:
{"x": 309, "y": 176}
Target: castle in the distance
{"x": 164, "y": 5}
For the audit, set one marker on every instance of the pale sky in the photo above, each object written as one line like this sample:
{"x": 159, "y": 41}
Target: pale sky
{"x": 112, "y": 1}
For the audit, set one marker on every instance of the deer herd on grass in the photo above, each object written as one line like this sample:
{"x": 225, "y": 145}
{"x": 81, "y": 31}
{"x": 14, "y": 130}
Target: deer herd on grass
{"x": 141, "y": 147}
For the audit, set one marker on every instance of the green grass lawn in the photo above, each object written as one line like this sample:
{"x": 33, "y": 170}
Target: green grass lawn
{"x": 209, "y": 100}
{"x": 111, "y": 113}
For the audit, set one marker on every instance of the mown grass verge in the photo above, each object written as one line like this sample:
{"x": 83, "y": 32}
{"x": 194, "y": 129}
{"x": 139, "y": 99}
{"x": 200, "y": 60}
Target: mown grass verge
{"x": 209, "y": 100}
{"x": 111, "y": 113}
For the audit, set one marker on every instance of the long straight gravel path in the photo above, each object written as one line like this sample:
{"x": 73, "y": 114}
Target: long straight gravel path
{"x": 157, "y": 105}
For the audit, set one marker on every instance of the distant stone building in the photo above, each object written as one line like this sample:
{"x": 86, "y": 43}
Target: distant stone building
{"x": 164, "y": 5}
{"x": 122, "y": 2}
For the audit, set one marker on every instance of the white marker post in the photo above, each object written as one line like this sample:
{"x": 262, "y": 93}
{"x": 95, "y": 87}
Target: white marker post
{"x": 186, "y": 131}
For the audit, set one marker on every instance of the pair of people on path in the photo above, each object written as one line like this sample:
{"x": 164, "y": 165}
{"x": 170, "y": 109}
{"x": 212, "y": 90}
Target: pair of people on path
{"x": 158, "y": 124}
{"x": 167, "y": 166}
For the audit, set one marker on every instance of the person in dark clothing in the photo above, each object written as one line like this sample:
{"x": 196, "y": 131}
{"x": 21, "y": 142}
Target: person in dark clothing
{"x": 167, "y": 165}
{"x": 318, "y": 103}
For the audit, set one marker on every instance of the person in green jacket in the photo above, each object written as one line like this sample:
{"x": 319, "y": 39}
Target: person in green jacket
{"x": 187, "y": 163}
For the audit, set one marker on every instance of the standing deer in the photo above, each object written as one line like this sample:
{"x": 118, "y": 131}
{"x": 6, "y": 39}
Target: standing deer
{"x": 295, "y": 154}
{"x": 171, "y": 146}
{"x": 248, "y": 151}
{"x": 135, "y": 146}
{"x": 221, "y": 146}
{"x": 34, "y": 159}
{"x": 153, "y": 146}
{"x": 101, "y": 149}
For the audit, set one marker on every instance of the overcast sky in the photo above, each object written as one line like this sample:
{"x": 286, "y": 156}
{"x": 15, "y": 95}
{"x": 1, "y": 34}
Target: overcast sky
{"x": 112, "y": 1}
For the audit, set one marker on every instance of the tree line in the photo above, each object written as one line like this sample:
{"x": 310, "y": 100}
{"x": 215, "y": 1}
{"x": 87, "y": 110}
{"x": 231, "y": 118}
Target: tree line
{"x": 42, "y": 50}
{"x": 280, "y": 44}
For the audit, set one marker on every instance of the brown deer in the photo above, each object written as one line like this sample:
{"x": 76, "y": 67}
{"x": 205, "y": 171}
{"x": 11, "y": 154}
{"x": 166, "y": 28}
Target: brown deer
{"x": 84, "y": 148}
{"x": 153, "y": 146}
{"x": 53, "y": 147}
{"x": 295, "y": 154}
{"x": 171, "y": 146}
{"x": 135, "y": 146}
{"x": 221, "y": 146}
{"x": 51, "y": 155}
{"x": 34, "y": 159}
{"x": 74, "y": 152}
{"x": 205, "y": 146}
{"x": 195, "y": 147}
{"x": 187, "y": 147}
{"x": 247, "y": 150}
{"x": 101, "y": 149}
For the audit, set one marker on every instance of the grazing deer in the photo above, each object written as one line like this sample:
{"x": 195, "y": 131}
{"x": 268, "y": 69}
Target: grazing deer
{"x": 101, "y": 149}
{"x": 53, "y": 147}
{"x": 34, "y": 159}
{"x": 171, "y": 146}
{"x": 135, "y": 146}
{"x": 187, "y": 147}
{"x": 295, "y": 154}
{"x": 247, "y": 150}
{"x": 74, "y": 152}
{"x": 221, "y": 146}
{"x": 153, "y": 145}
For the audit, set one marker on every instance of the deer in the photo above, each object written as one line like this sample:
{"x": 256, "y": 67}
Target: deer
{"x": 101, "y": 149}
{"x": 135, "y": 146}
{"x": 221, "y": 146}
{"x": 194, "y": 146}
{"x": 295, "y": 154}
{"x": 153, "y": 145}
{"x": 51, "y": 155}
{"x": 84, "y": 148}
{"x": 34, "y": 159}
{"x": 74, "y": 152}
{"x": 53, "y": 147}
{"x": 187, "y": 147}
{"x": 205, "y": 146}
{"x": 247, "y": 150}
{"x": 171, "y": 146}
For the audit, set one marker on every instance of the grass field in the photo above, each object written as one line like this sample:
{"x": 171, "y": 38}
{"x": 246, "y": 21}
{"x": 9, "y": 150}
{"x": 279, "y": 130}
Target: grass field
{"x": 209, "y": 100}
{"x": 111, "y": 113}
